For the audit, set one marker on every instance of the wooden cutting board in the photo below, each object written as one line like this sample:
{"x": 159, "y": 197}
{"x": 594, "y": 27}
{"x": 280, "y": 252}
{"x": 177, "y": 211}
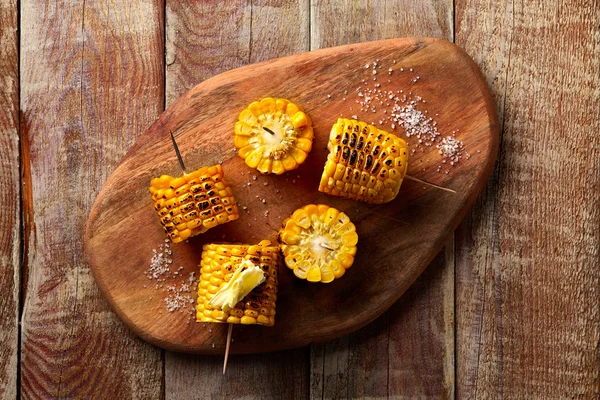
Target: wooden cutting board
{"x": 396, "y": 240}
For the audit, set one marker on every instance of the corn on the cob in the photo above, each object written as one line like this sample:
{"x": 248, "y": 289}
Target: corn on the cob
{"x": 318, "y": 243}
{"x": 218, "y": 265}
{"x": 193, "y": 203}
{"x": 364, "y": 163}
{"x": 273, "y": 135}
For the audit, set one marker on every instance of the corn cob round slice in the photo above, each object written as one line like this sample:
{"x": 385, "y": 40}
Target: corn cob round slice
{"x": 219, "y": 263}
{"x": 364, "y": 163}
{"x": 192, "y": 204}
{"x": 318, "y": 243}
{"x": 273, "y": 135}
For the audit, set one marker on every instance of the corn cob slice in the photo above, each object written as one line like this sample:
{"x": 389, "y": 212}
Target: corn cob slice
{"x": 217, "y": 267}
{"x": 318, "y": 243}
{"x": 192, "y": 204}
{"x": 364, "y": 163}
{"x": 273, "y": 135}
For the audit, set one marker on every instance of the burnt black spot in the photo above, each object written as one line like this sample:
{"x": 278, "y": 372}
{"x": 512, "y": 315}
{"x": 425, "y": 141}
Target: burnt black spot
{"x": 376, "y": 168}
{"x": 352, "y": 140}
{"x": 388, "y": 162}
{"x": 345, "y": 138}
{"x": 376, "y": 150}
{"x": 368, "y": 162}
{"x": 361, "y": 142}
{"x": 345, "y": 153}
{"x": 353, "y": 157}
{"x": 211, "y": 193}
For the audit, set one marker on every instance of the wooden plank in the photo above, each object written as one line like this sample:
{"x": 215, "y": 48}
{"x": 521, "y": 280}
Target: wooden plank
{"x": 10, "y": 220}
{"x": 204, "y": 40}
{"x": 528, "y": 270}
{"x": 376, "y": 360}
{"x": 92, "y": 76}
{"x": 408, "y": 352}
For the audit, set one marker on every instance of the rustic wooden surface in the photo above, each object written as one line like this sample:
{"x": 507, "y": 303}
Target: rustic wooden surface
{"x": 91, "y": 81}
{"x": 415, "y": 226}
{"x": 528, "y": 262}
{"x": 527, "y": 269}
{"x": 10, "y": 219}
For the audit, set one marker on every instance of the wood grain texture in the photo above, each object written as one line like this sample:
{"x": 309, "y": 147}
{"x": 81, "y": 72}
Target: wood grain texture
{"x": 201, "y": 44}
{"x": 451, "y": 85}
{"x": 92, "y": 76}
{"x": 408, "y": 352}
{"x": 386, "y": 365}
{"x": 10, "y": 220}
{"x": 528, "y": 269}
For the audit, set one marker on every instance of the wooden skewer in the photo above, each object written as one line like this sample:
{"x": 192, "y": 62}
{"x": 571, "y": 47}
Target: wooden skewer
{"x": 325, "y": 246}
{"x": 227, "y": 347}
{"x": 178, "y": 153}
{"x": 182, "y": 165}
{"x": 412, "y": 178}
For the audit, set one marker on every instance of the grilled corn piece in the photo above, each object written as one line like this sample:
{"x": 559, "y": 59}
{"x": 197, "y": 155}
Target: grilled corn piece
{"x": 219, "y": 265}
{"x": 364, "y": 163}
{"x": 318, "y": 243}
{"x": 273, "y": 135}
{"x": 193, "y": 203}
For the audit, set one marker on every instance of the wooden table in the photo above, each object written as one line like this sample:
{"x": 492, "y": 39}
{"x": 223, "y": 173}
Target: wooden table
{"x": 510, "y": 309}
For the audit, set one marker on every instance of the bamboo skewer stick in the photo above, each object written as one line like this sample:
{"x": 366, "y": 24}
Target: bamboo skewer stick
{"x": 227, "y": 347}
{"x": 182, "y": 165}
{"x": 412, "y": 178}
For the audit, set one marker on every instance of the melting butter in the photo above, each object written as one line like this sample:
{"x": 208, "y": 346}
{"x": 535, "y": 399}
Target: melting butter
{"x": 241, "y": 283}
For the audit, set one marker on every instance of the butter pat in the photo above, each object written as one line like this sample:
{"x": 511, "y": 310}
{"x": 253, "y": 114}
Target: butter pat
{"x": 238, "y": 287}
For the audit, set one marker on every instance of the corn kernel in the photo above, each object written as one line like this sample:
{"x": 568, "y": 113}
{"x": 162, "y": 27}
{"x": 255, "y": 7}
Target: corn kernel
{"x": 187, "y": 200}
{"x": 318, "y": 243}
{"x": 363, "y": 155}
{"x": 273, "y": 135}
{"x": 218, "y": 264}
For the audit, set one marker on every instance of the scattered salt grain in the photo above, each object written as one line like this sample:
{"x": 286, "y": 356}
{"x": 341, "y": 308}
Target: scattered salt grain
{"x": 178, "y": 293}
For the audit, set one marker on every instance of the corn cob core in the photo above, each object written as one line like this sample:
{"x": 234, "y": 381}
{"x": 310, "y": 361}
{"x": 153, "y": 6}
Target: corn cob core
{"x": 273, "y": 135}
{"x": 364, "y": 163}
{"x": 193, "y": 203}
{"x": 318, "y": 243}
{"x": 218, "y": 264}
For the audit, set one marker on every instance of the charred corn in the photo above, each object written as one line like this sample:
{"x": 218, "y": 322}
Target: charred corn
{"x": 222, "y": 263}
{"x": 364, "y": 163}
{"x": 273, "y": 135}
{"x": 193, "y": 203}
{"x": 318, "y": 243}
